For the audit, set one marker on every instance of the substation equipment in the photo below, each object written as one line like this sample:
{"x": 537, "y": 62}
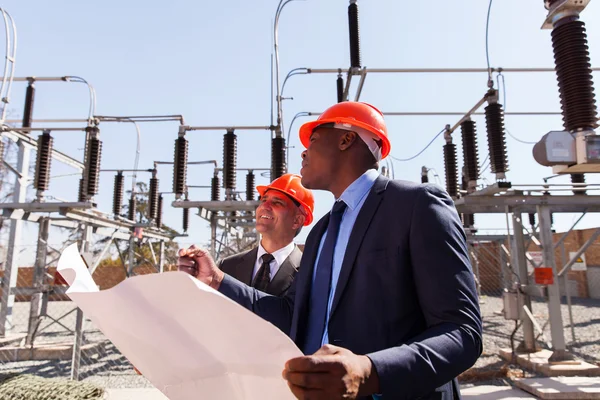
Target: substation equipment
{"x": 573, "y": 151}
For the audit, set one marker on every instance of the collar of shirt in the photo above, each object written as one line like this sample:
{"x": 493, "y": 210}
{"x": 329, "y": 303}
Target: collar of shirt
{"x": 280, "y": 256}
{"x": 356, "y": 192}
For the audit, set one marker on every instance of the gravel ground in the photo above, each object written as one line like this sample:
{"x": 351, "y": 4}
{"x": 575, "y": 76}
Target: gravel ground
{"x": 110, "y": 369}
{"x": 497, "y": 330}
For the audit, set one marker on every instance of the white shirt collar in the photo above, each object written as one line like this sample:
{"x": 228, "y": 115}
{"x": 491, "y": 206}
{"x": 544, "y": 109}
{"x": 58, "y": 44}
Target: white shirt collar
{"x": 280, "y": 255}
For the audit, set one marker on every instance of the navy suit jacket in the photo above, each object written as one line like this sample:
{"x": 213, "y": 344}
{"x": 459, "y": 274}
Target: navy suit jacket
{"x": 406, "y": 296}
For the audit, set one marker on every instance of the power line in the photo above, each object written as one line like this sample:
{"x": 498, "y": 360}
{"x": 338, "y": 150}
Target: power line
{"x": 420, "y": 152}
{"x": 487, "y": 52}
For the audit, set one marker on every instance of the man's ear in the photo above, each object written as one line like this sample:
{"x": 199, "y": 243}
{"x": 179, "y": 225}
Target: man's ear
{"x": 347, "y": 139}
{"x": 299, "y": 221}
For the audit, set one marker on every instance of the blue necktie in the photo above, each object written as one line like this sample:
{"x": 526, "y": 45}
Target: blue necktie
{"x": 319, "y": 295}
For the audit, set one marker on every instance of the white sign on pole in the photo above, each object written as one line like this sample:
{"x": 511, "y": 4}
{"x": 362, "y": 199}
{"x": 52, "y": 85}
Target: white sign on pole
{"x": 580, "y": 264}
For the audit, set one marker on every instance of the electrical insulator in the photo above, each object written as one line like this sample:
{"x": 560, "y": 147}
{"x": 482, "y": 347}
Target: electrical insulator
{"x": 28, "y": 110}
{"x": 532, "y": 219}
{"x": 159, "y": 212}
{"x": 215, "y": 188}
{"x": 494, "y": 119}
{"x": 132, "y": 208}
{"x": 81, "y": 194}
{"x": 93, "y": 158}
{"x": 578, "y": 178}
{"x": 44, "y": 159}
{"x": 229, "y": 159}
{"x": 548, "y": 3}
{"x": 354, "y": 34}
{"x": 470, "y": 154}
{"x": 186, "y": 218}
{"x": 424, "y": 175}
{"x": 234, "y": 216}
{"x": 468, "y": 220}
{"x": 278, "y": 166}
{"x": 180, "y": 166}
{"x": 451, "y": 169}
{"x": 250, "y": 186}
{"x": 118, "y": 193}
{"x": 574, "y": 73}
{"x": 340, "y": 89}
{"x": 153, "y": 198}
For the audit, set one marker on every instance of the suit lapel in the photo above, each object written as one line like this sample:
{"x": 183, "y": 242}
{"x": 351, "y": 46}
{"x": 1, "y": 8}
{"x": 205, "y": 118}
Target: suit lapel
{"x": 283, "y": 278}
{"x": 245, "y": 266}
{"x": 307, "y": 266}
{"x": 358, "y": 233}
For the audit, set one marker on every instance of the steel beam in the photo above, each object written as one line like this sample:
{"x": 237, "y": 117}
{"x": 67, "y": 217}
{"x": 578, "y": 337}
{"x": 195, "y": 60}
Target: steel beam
{"x": 556, "y": 323}
{"x": 57, "y": 155}
{"x": 38, "y": 280}
{"x": 11, "y": 270}
{"x": 215, "y": 206}
{"x": 46, "y": 206}
{"x": 527, "y": 203}
{"x": 520, "y": 262}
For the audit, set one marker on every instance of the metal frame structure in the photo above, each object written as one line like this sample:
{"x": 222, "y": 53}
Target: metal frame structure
{"x": 511, "y": 201}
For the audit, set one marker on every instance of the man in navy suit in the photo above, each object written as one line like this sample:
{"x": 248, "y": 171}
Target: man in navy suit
{"x": 384, "y": 304}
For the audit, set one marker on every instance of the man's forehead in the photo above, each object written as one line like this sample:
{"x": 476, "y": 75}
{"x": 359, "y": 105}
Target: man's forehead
{"x": 272, "y": 193}
{"x": 326, "y": 128}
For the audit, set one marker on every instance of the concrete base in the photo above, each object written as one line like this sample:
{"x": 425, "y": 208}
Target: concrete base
{"x": 489, "y": 392}
{"x": 538, "y": 362}
{"x": 560, "y": 388}
{"x": 47, "y": 352}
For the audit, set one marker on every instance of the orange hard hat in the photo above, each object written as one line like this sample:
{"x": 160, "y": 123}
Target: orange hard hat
{"x": 290, "y": 185}
{"x": 351, "y": 114}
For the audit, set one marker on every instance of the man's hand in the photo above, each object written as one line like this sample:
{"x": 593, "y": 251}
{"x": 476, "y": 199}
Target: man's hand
{"x": 198, "y": 263}
{"x": 331, "y": 373}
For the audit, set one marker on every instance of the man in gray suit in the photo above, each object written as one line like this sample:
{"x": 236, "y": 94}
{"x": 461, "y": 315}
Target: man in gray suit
{"x": 285, "y": 207}
{"x": 384, "y": 304}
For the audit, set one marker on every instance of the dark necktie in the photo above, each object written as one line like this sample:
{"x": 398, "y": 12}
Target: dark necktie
{"x": 263, "y": 276}
{"x": 319, "y": 295}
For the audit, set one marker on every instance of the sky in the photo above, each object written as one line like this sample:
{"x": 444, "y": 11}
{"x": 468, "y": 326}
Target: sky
{"x": 211, "y": 62}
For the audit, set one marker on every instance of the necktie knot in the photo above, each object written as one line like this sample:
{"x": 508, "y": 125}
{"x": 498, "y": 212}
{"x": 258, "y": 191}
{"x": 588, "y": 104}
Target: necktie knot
{"x": 267, "y": 258}
{"x": 338, "y": 207}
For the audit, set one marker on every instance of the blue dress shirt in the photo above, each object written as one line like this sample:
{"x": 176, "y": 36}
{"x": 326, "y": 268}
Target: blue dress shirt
{"x": 354, "y": 196}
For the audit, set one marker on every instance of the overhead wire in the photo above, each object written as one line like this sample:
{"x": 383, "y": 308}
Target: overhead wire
{"x": 10, "y": 56}
{"x": 92, "y": 107}
{"x": 500, "y": 75}
{"x": 487, "y": 50}
{"x": 420, "y": 152}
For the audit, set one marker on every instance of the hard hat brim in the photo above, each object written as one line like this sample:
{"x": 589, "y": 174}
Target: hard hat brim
{"x": 308, "y": 128}
{"x": 261, "y": 189}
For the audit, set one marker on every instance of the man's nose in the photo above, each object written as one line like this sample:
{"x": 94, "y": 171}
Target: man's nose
{"x": 265, "y": 205}
{"x": 303, "y": 154}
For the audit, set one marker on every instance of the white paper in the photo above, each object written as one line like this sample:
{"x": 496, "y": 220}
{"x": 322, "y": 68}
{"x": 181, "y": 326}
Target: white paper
{"x": 187, "y": 339}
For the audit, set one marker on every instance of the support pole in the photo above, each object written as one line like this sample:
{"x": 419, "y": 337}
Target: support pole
{"x": 213, "y": 236}
{"x": 161, "y": 257}
{"x": 76, "y": 359}
{"x": 38, "y": 280}
{"x": 556, "y": 325}
{"x": 131, "y": 256}
{"x": 520, "y": 263}
{"x": 563, "y": 256}
{"x": 11, "y": 270}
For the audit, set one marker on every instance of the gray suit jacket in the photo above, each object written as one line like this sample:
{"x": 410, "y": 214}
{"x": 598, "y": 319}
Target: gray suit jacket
{"x": 406, "y": 295}
{"x": 241, "y": 265}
